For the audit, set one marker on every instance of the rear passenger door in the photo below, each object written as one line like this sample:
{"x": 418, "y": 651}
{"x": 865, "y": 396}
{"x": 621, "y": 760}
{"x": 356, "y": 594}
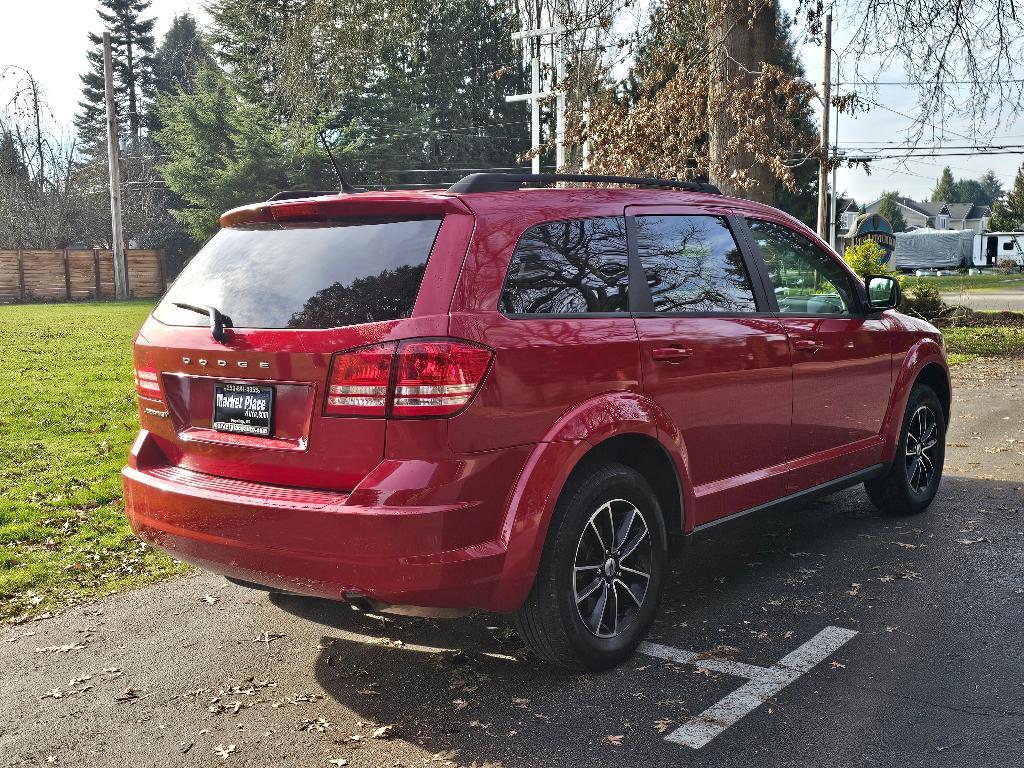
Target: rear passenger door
{"x": 712, "y": 355}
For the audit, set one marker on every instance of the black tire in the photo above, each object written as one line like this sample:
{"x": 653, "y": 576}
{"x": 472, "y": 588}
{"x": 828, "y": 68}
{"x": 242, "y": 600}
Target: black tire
{"x": 913, "y": 479}
{"x": 549, "y": 621}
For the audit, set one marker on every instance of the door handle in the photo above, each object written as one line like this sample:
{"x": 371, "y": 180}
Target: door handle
{"x": 671, "y": 354}
{"x": 807, "y": 345}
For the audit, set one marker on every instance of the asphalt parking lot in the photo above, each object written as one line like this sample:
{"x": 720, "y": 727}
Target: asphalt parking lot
{"x": 922, "y": 667}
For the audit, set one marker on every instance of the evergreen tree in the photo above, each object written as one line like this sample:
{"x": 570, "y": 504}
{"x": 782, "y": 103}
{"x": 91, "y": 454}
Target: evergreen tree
{"x": 248, "y": 38}
{"x": 12, "y": 164}
{"x": 223, "y": 151}
{"x": 132, "y": 48}
{"x": 1008, "y": 214}
{"x": 991, "y": 187}
{"x": 438, "y": 104}
{"x": 890, "y": 209}
{"x": 968, "y": 191}
{"x": 179, "y": 56}
{"x": 943, "y": 192}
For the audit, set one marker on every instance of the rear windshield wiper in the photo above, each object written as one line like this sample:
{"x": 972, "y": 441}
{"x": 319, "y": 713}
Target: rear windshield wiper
{"x": 219, "y": 322}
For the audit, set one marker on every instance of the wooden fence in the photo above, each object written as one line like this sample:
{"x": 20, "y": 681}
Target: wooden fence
{"x": 74, "y": 275}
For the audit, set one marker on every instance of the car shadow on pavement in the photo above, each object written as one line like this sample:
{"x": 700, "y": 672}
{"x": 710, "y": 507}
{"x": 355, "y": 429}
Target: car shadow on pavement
{"x": 466, "y": 690}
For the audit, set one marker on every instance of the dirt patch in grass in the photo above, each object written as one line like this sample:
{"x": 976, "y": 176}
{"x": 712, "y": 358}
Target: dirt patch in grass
{"x": 964, "y": 316}
{"x": 67, "y": 421}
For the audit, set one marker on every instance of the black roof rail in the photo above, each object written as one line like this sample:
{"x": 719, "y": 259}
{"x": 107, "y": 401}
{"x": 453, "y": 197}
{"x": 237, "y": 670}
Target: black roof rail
{"x": 503, "y": 182}
{"x": 295, "y": 194}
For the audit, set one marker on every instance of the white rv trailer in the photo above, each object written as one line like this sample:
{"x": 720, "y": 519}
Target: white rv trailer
{"x": 993, "y": 248}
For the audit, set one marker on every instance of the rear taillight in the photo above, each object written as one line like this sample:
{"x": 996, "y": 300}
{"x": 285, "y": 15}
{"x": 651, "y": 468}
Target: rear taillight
{"x": 359, "y": 382}
{"x": 147, "y": 383}
{"x": 406, "y": 380}
{"x": 437, "y": 378}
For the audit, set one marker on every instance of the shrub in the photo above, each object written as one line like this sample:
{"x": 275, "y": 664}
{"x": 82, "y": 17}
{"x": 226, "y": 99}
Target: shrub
{"x": 867, "y": 258}
{"x": 923, "y": 299}
{"x": 1008, "y": 266}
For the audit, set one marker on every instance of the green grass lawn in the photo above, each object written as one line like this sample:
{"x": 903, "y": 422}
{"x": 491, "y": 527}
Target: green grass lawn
{"x": 988, "y": 281}
{"x": 67, "y": 421}
{"x": 967, "y": 343}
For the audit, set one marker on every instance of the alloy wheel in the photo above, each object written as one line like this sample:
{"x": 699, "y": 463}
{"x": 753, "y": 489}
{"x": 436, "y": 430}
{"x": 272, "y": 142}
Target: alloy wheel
{"x": 612, "y": 568}
{"x": 922, "y": 447}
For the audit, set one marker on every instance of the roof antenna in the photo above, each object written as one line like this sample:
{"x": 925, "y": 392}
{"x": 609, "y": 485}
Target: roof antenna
{"x": 346, "y": 186}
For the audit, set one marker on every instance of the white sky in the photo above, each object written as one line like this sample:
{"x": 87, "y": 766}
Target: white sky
{"x": 48, "y": 37}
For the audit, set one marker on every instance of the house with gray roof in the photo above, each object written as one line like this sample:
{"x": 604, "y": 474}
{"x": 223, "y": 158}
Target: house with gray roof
{"x": 955, "y": 216}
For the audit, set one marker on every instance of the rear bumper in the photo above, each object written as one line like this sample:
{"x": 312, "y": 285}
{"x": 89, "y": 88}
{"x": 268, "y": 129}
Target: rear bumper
{"x": 445, "y": 555}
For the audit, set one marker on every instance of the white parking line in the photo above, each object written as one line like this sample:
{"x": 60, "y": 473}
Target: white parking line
{"x": 762, "y": 682}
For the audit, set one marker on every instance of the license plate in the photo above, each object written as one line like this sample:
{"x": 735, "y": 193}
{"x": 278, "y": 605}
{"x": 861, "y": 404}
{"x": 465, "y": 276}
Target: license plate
{"x": 243, "y": 408}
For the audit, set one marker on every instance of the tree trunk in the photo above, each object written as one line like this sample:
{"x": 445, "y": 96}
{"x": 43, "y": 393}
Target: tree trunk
{"x": 739, "y": 46}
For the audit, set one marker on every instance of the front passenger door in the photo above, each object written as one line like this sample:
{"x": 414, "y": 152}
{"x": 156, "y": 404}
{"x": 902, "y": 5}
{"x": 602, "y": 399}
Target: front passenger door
{"x": 842, "y": 371}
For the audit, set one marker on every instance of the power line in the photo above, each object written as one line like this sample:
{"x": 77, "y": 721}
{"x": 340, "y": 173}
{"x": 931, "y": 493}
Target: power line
{"x": 980, "y": 153}
{"x": 446, "y": 170}
{"x": 1014, "y": 81}
{"x": 912, "y": 119}
{"x": 883, "y": 146}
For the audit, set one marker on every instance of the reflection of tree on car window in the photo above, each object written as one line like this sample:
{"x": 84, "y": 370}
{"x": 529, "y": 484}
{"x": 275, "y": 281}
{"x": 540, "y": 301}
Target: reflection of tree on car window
{"x": 565, "y": 267}
{"x": 692, "y": 264}
{"x": 386, "y": 296}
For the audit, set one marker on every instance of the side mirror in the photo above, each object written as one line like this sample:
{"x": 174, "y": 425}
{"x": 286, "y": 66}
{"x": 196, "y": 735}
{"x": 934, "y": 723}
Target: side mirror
{"x": 883, "y": 292}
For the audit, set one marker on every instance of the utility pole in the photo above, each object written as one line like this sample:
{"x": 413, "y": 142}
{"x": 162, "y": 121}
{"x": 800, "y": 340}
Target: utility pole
{"x": 833, "y": 224}
{"x": 114, "y": 161}
{"x": 826, "y": 94}
{"x": 532, "y": 38}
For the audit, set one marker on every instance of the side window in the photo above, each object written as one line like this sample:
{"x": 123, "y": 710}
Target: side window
{"x": 693, "y": 264}
{"x": 569, "y": 267}
{"x": 806, "y": 280}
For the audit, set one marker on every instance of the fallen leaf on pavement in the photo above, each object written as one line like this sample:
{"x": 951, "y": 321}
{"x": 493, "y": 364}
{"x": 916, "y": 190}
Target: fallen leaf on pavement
{"x": 223, "y": 751}
{"x": 61, "y": 648}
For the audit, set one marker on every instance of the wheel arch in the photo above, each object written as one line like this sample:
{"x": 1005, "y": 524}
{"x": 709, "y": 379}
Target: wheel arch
{"x": 936, "y": 377}
{"x": 621, "y": 426}
{"x": 648, "y": 457}
{"x": 924, "y": 362}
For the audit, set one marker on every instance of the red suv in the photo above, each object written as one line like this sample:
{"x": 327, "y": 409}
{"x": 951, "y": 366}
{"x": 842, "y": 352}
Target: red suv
{"x": 516, "y": 399}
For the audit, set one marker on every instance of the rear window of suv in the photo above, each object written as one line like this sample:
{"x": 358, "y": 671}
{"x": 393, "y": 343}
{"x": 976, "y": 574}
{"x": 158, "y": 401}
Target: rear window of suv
{"x": 308, "y": 276}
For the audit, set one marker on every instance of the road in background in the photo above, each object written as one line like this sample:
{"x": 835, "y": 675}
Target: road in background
{"x": 1011, "y": 299}
{"x": 198, "y": 672}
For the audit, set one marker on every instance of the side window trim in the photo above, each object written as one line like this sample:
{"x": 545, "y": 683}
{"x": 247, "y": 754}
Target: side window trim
{"x": 641, "y": 302}
{"x": 640, "y": 299}
{"x": 766, "y": 302}
{"x": 855, "y": 286}
{"x": 760, "y": 268}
